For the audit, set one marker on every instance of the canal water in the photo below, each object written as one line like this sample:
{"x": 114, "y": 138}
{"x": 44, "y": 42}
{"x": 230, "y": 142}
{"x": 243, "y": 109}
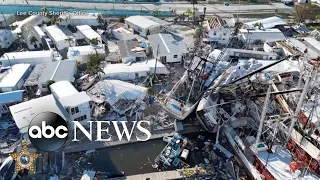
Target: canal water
{"x": 135, "y": 158}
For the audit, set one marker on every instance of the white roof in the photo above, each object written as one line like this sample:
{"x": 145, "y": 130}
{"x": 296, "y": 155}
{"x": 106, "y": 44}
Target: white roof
{"x": 124, "y": 68}
{"x": 114, "y": 90}
{"x": 56, "y": 33}
{"x": 24, "y": 112}
{"x": 88, "y": 32}
{"x": 266, "y": 34}
{"x": 39, "y": 31}
{"x": 313, "y": 42}
{"x": 85, "y": 50}
{"x": 268, "y": 22}
{"x": 14, "y": 75}
{"x": 141, "y": 21}
{"x": 161, "y": 68}
{"x": 27, "y": 55}
{"x": 75, "y": 99}
{"x": 63, "y": 89}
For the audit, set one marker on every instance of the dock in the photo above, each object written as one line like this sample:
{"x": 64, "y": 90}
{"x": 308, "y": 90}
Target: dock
{"x": 154, "y": 176}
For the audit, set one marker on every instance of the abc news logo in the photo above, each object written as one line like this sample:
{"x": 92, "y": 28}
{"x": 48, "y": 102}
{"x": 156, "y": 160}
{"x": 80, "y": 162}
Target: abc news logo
{"x": 49, "y": 132}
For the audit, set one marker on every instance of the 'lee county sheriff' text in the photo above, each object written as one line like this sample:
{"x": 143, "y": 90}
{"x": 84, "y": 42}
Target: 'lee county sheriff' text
{"x": 50, "y": 13}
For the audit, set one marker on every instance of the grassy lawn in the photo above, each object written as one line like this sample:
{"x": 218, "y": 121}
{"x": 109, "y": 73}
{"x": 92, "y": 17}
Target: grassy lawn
{"x": 265, "y": 15}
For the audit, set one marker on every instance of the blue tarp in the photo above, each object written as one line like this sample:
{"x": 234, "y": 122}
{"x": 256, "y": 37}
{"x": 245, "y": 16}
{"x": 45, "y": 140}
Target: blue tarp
{"x": 12, "y": 96}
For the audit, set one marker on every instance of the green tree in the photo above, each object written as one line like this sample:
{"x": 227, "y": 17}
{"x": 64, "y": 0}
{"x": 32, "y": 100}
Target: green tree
{"x": 318, "y": 17}
{"x": 94, "y": 41}
{"x": 49, "y": 82}
{"x": 189, "y": 13}
{"x": 121, "y": 19}
{"x": 304, "y": 12}
{"x": 33, "y": 40}
{"x": 93, "y": 65}
{"x": 156, "y": 12}
{"x": 44, "y": 10}
{"x": 53, "y": 20}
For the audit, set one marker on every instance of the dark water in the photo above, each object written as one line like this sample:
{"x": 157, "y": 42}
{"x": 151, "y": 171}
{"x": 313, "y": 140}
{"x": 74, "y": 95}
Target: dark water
{"x": 133, "y": 158}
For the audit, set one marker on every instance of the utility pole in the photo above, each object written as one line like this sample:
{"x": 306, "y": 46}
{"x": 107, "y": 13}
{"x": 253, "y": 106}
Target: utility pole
{"x": 155, "y": 65}
{"x": 300, "y": 102}
{"x": 263, "y": 115}
{"x": 5, "y": 20}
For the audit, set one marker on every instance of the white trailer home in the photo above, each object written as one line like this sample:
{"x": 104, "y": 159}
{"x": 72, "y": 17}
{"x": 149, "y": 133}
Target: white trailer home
{"x": 59, "y": 38}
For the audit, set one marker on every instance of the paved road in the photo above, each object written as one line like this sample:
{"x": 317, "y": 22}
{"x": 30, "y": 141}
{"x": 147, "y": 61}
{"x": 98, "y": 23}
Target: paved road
{"x": 217, "y": 8}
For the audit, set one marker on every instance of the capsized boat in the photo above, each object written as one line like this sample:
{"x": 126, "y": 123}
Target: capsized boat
{"x": 185, "y": 95}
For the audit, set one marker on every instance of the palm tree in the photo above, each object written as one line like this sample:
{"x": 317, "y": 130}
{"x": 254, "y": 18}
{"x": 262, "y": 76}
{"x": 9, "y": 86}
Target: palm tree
{"x": 33, "y": 40}
{"x": 94, "y": 41}
{"x": 100, "y": 19}
{"x": 93, "y": 65}
{"x": 53, "y": 20}
{"x": 69, "y": 40}
{"x": 156, "y": 12}
{"x": 44, "y": 10}
{"x": 189, "y": 13}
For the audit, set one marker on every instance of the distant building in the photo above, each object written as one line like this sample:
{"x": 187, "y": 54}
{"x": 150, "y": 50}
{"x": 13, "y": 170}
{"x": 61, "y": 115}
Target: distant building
{"x": 132, "y": 51}
{"x": 217, "y": 30}
{"x": 267, "y": 23}
{"x": 89, "y": 33}
{"x": 76, "y": 103}
{"x": 6, "y": 38}
{"x": 122, "y": 32}
{"x": 81, "y": 53}
{"x": 22, "y": 117}
{"x": 169, "y": 49}
{"x": 78, "y": 20}
{"x": 145, "y": 25}
{"x": 29, "y": 57}
{"x": 59, "y": 38}
{"x": 15, "y": 77}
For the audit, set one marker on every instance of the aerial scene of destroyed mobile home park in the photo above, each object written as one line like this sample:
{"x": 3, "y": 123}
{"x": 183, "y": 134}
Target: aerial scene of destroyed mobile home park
{"x": 177, "y": 89}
